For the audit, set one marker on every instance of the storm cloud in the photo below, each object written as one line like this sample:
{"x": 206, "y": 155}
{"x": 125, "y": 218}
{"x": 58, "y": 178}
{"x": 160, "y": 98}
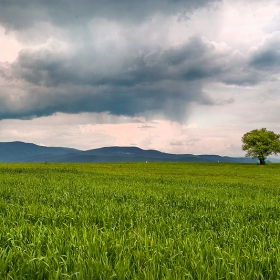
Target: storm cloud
{"x": 266, "y": 56}
{"x": 114, "y": 56}
{"x": 26, "y": 13}
{"x": 124, "y": 82}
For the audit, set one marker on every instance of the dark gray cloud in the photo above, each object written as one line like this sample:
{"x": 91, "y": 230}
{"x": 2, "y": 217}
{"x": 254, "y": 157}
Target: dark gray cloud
{"x": 266, "y": 56}
{"x": 23, "y": 14}
{"x": 117, "y": 69}
{"x": 260, "y": 64}
{"x": 266, "y": 59}
{"x": 194, "y": 60}
{"x": 41, "y": 101}
{"x": 153, "y": 81}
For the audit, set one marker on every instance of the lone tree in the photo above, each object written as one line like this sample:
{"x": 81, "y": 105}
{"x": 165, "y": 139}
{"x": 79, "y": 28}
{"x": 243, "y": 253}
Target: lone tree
{"x": 260, "y": 143}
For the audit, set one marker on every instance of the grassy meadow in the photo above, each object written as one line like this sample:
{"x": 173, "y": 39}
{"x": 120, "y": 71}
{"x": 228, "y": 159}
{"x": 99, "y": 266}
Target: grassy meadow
{"x": 139, "y": 221}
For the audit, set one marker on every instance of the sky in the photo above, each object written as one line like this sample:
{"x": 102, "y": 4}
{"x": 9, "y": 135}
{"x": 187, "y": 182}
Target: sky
{"x": 181, "y": 76}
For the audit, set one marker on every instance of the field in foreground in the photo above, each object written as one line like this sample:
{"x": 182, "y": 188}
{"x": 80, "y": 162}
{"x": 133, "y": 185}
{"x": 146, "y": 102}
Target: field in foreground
{"x": 139, "y": 221}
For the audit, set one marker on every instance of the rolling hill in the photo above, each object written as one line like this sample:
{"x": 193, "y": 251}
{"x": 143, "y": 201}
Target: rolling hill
{"x": 28, "y": 152}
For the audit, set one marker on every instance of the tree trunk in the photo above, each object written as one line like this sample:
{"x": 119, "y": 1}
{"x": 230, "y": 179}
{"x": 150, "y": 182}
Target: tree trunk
{"x": 262, "y": 160}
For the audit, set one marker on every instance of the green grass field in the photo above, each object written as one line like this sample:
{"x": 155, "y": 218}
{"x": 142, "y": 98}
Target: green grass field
{"x": 139, "y": 221}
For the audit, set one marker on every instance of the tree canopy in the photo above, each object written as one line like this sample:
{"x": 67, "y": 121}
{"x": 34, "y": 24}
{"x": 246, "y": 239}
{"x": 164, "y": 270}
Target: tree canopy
{"x": 260, "y": 143}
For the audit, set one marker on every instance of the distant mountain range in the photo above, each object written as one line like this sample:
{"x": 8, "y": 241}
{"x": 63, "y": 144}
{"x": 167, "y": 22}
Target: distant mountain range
{"x": 28, "y": 152}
